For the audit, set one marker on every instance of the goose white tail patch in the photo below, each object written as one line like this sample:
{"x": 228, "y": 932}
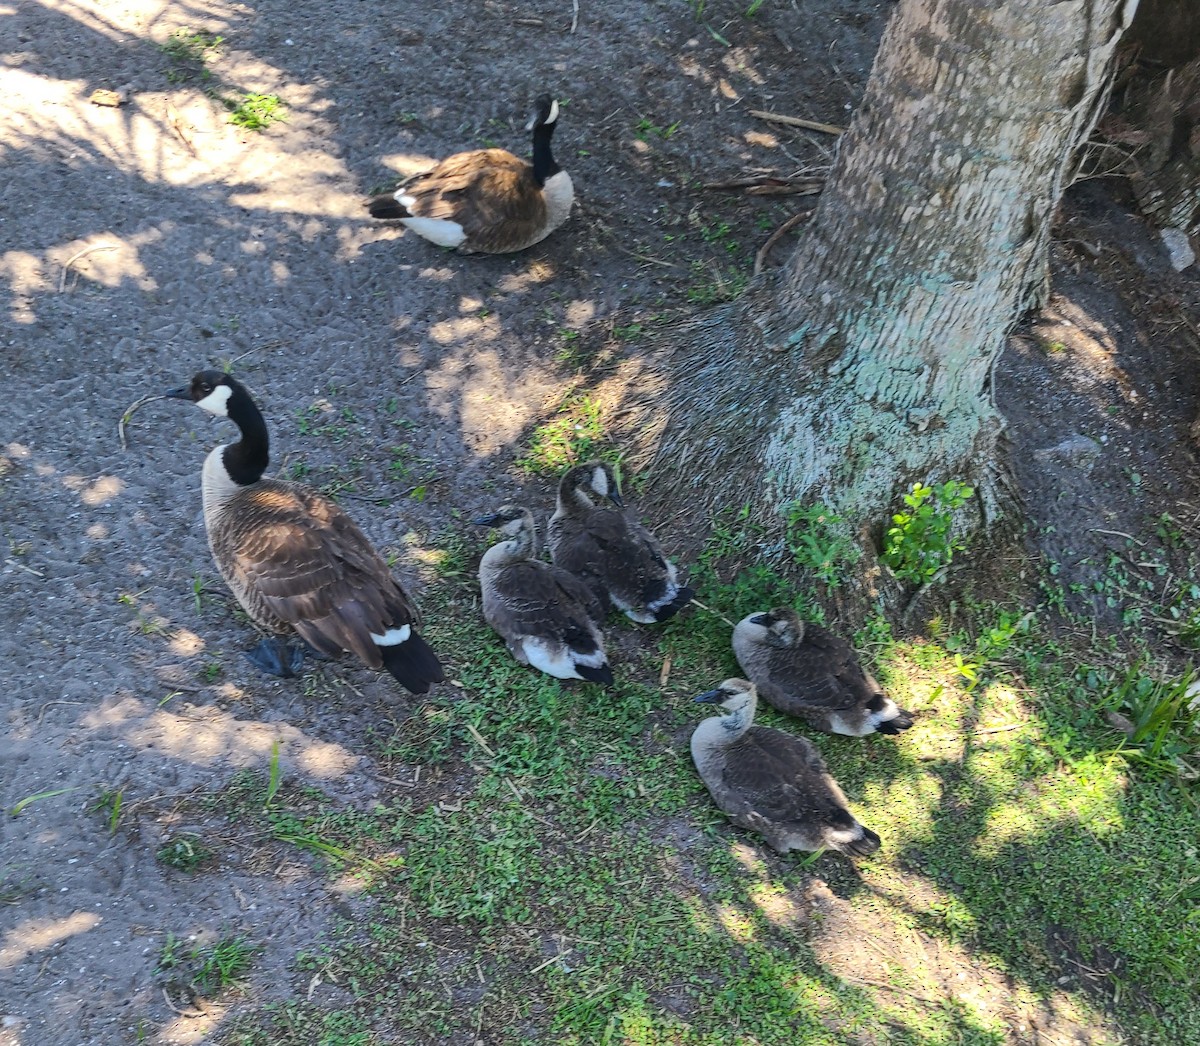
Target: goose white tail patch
{"x": 889, "y": 711}
{"x": 217, "y": 401}
{"x": 393, "y": 636}
{"x": 558, "y": 660}
{"x": 845, "y": 835}
{"x": 437, "y": 230}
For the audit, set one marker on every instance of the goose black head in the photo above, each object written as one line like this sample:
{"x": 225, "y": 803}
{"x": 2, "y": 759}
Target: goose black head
{"x": 594, "y": 477}
{"x": 545, "y": 113}
{"x": 209, "y": 389}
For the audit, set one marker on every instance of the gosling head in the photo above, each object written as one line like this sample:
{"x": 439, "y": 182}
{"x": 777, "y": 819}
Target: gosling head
{"x": 593, "y": 477}
{"x": 782, "y": 626}
{"x": 210, "y": 389}
{"x": 733, "y": 695}
{"x": 509, "y": 519}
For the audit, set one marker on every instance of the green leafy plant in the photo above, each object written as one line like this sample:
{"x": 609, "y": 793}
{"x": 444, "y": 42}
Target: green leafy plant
{"x": 254, "y": 112}
{"x": 185, "y": 853}
{"x": 576, "y": 434}
{"x": 110, "y": 800}
{"x": 1162, "y": 733}
{"x": 223, "y": 963}
{"x": 817, "y": 539}
{"x": 920, "y": 542}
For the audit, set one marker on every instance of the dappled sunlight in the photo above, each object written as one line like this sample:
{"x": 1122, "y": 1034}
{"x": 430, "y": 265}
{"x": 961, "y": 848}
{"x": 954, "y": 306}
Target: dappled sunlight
{"x": 185, "y": 643}
{"x": 407, "y": 164}
{"x": 205, "y": 735}
{"x": 37, "y": 935}
{"x": 1054, "y": 800}
{"x": 95, "y": 492}
{"x": 737, "y": 924}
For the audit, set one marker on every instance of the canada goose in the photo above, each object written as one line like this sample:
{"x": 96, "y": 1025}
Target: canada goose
{"x": 295, "y": 561}
{"x": 805, "y": 670}
{"x": 487, "y": 200}
{"x": 547, "y": 617}
{"x": 771, "y": 782}
{"x": 620, "y": 560}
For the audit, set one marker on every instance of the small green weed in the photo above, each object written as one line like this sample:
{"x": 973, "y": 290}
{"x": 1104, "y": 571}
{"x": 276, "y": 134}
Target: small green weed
{"x": 647, "y": 128}
{"x": 576, "y": 434}
{"x": 715, "y": 284}
{"x": 110, "y": 800}
{"x": 189, "y": 50}
{"x": 1163, "y": 735}
{"x": 254, "y": 112}
{"x": 920, "y": 542}
{"x": 224, "y": 963}
{"x": 184, "y": 853}
{"x": 817, "y": 539}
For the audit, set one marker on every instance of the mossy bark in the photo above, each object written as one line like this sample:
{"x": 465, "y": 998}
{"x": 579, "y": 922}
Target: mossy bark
{"x": 865, "y": 364}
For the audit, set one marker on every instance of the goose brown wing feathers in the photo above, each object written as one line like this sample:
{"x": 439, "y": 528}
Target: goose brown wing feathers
{"x": 483, "y": 191}
{"x": 540, "y": 600}
{"x": 609, "y": 552}
{"x": 779, "y": 778}
{"x": 295, "y": 558}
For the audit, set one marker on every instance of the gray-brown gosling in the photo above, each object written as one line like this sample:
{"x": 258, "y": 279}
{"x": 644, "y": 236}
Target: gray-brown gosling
{"x": 771, "y": 782}
{"x": 547, "y": 617}
{"x": 487, "y": 200}
{"x": 805, "y": 670}
{"x": 295, "y": 561}
{"x": 618, "y": 558}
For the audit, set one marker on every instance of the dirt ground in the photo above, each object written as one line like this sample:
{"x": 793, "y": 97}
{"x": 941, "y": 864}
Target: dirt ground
{"x": 141, "y": 242}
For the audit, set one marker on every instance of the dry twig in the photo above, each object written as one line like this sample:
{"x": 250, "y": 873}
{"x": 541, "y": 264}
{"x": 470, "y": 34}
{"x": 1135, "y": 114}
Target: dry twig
{"x": 796, "y": 121}
{"x": 129, "y": 414}
{"x": 62, "y": 276}
{"x": 760, "y": 259}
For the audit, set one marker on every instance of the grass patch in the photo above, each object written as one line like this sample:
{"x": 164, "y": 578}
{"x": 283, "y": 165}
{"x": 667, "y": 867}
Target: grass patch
{"x": 575, "y": 434}
{"x": 553, "y": 870}
{"x": 255, "y": 112}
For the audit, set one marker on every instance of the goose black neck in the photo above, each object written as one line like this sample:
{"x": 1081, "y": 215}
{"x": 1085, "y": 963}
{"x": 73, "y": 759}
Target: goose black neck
{"x": 246, "y": 460}
{"x": 543, "y": 159}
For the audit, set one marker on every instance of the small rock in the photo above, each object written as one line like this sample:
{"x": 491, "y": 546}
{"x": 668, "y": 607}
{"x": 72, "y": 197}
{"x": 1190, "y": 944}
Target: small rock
{"x": 1179, "y": 248}
{"x": 102, "y": 96}
{"x": 1074, "y": 450}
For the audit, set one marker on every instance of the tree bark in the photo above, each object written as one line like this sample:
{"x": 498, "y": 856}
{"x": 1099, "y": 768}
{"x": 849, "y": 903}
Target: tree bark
{"x": 865, "y": 365}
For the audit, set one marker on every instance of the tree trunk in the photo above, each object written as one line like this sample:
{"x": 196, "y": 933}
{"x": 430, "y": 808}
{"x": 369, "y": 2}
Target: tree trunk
{"x": 865, "y": 364}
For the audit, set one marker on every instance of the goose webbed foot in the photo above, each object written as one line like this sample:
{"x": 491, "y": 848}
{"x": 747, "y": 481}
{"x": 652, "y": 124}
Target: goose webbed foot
{"x": 277, "y": 658}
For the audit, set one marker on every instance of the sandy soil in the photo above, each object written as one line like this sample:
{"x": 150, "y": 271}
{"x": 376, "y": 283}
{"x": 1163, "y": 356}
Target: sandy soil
{"x": 142, "y": 242}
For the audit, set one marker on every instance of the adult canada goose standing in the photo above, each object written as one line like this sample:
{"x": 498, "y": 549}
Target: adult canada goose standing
{"x": 487, "y": 200}
{"x": 621, "y": 561}
{"x": 805, "y": 670}
{"x": 547, "y": 617}
{"x": 771, "y": 782}
{"x": 295, "y": 561}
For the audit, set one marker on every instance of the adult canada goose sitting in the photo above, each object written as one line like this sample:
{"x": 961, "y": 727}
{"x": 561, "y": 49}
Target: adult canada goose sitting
{"x": 771, "y": 782}
{"x": 547, "y": 617}
{"x": 295, "y": 561}
{"x": 487, "y": 200}
{"x": 621, "y": 561}
{"x": 805, "y": 670}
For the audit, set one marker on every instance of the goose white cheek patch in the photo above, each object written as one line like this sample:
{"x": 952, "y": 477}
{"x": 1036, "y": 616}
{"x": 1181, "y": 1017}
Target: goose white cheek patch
{"x": 217, "y": 401}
